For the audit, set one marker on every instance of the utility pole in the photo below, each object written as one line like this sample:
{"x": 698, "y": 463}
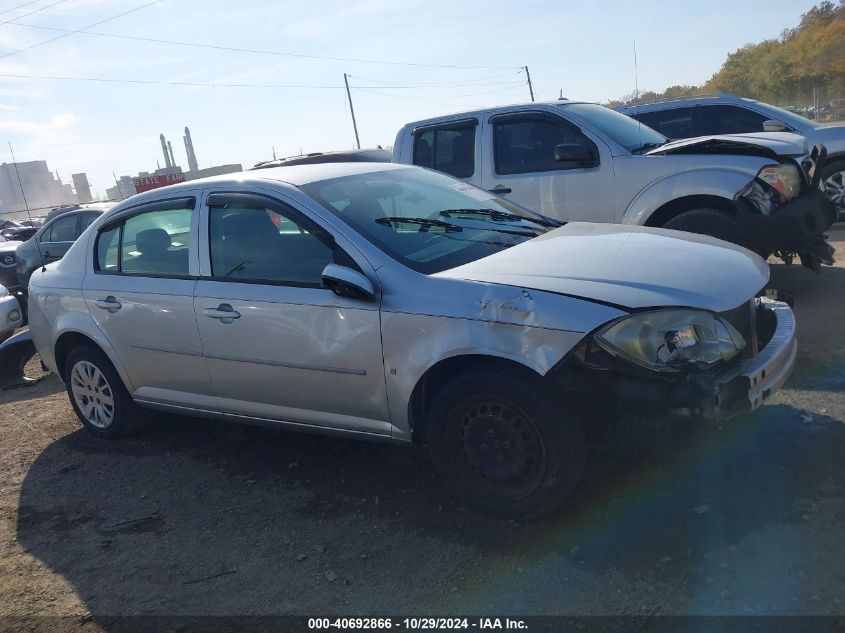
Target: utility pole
{"x": 530, "y": 87}
{"x": 352, "y": 110}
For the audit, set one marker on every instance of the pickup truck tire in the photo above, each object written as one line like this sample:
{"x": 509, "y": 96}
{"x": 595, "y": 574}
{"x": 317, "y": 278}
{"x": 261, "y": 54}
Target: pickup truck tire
{"x": 501, "y": 442}
{"x": 713, "y": 222}
{"x": 98, "y": 395}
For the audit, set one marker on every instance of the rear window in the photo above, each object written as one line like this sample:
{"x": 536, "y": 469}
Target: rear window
{"x": 450, "y": 149}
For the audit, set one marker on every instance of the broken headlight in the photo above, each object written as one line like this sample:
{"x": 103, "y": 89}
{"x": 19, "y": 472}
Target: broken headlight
{"x": 672, "y": 340}
{"x": 784, "y": 178}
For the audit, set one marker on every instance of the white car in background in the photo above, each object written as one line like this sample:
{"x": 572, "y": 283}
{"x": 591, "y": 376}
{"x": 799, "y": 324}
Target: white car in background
{"x": 388, "y": 302}
{"x": 729, "y": 114}
{"x": 11, "y": 317}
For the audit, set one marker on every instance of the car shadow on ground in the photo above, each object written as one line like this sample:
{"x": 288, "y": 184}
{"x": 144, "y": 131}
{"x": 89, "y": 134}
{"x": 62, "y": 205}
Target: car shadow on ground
{"x": 157, "y": 523}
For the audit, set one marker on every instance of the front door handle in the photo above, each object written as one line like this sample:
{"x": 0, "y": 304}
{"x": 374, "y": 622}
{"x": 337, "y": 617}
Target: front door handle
{"x": 109, "y": 303}
{"x": 224, "y": 312}
{"x": 500, "y": 189}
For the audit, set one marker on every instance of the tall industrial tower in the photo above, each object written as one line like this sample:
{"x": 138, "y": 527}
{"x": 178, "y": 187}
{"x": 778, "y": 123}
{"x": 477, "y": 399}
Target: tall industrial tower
{"x": 189, "y": 150}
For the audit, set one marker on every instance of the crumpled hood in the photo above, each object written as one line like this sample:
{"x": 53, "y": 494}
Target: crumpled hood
{"x": 771, "y": 144}
{"x": 627, "y": 266}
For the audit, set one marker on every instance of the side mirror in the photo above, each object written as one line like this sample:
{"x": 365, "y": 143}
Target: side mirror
{"x": 774, "y": 126}
{"x": 346, "y": 282}
{"x": 573, "y": 153}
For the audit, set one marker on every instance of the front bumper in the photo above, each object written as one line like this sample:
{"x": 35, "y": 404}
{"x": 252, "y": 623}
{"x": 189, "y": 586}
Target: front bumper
{"x": 745, "y": 387}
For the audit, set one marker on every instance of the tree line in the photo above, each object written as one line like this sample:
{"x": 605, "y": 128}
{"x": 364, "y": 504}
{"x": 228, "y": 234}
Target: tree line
{"x": 784, "y": 70}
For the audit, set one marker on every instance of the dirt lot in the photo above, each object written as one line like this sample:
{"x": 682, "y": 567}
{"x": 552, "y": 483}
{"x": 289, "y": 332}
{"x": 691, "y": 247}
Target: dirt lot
{"x": 197, "y": 517}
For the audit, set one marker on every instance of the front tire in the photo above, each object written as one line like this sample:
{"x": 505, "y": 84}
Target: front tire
{"x": 98, "y": 395}
{"x": 503, "y": 443}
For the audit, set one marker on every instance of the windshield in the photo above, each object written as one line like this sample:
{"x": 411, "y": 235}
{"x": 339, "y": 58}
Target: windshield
{"x": 785, "y": 116}
{"x": 627, "y": 132}
{"x": 428, "y": 221}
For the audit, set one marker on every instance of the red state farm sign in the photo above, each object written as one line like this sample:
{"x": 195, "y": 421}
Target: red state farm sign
{"x": 146, "y": 183}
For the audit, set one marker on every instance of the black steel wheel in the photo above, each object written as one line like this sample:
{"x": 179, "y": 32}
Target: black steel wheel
{"x": 505, "y": 443}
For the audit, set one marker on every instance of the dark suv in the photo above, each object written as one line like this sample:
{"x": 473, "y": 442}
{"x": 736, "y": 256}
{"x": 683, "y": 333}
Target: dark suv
{"x": 52, "y": 241}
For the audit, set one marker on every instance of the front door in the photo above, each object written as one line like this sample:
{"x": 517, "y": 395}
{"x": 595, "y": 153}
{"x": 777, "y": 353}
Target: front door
{"x": 141, "y": 296}
{"x": 521, "y": 166}
{"x": 278, "y": 345}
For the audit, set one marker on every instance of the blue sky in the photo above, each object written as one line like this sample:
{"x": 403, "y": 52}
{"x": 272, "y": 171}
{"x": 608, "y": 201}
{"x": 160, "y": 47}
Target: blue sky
{"x": 583, "y": 48}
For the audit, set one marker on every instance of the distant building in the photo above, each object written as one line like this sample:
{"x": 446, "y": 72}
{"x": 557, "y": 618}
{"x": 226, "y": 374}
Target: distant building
{"x": 83, "y": 188}
{"x": 42, "y": 189}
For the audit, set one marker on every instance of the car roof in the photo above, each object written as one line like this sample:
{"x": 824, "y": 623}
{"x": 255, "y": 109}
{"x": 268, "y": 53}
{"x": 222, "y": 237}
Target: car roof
{"x": 294, "y": 175}
{"x": 525, "y": 105}
{"x": 722, "y": 97}
{"x": 375, "y": 155}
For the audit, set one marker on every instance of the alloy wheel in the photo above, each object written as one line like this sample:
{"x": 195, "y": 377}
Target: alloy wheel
{"x": 93, "y": 394}
{"x": 835, "y": 188}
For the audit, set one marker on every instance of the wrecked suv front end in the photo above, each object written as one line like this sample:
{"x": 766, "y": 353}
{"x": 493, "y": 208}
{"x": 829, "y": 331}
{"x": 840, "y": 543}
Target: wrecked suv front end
{"x": 783, "y": 210}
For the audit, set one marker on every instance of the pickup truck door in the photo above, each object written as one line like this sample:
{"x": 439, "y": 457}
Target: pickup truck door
{"x": 519, "y": 163}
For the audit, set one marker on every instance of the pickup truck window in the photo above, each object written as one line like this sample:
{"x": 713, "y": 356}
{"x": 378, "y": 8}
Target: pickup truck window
{"x": 634, "y": 136}
{"x": 450, "y": 149}
{"x": 527, "y": 144}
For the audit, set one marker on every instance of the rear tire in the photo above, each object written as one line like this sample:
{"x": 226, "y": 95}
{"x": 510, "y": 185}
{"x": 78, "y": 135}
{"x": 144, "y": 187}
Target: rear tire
{"x": 833, "y": 180}
{"x": 503, "y": 443}
{"x": 98, "y": 395}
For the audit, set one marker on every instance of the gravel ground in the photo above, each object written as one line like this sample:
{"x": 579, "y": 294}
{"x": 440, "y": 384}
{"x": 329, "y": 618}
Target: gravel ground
{"x": 198, "y": 517}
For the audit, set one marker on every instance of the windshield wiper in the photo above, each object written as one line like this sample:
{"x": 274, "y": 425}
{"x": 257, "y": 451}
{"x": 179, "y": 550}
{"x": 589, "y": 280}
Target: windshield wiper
{"x": 427, "y": 223}
{"x": 424, "y": 222}
{"x": 645, "y": 147}
{"x": 494, "y": 214}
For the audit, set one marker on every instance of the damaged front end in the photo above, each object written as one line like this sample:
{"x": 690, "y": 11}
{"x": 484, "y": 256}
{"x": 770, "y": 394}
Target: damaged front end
{"x": 630, "y": 400}
{"x": 784, "y": 212}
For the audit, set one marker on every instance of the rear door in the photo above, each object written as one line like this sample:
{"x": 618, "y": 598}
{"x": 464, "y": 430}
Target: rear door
{"x": 453, "y": 148}
{"x": 519, "y": 163}
{"x": 278, "y": 344}
{"x": 141, "y": 296}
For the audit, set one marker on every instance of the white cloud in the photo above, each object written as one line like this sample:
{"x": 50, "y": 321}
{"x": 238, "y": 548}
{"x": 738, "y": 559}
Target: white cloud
{"x": 55, "y": 124}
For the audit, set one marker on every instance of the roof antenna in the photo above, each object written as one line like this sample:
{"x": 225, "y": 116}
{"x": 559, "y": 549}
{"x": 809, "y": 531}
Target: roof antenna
{"x": 26, "y": 206}
{"x": 637, "y": 94}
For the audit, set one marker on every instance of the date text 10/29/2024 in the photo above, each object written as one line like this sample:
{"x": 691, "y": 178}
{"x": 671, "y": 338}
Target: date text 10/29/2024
{"x": 417, "y": 624}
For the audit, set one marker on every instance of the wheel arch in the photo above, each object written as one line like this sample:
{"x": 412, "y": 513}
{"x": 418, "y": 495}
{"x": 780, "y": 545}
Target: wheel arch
{"x": 72, "y": 338}
{"x": 439, "y": 374}
{"x": 674, "y": 208}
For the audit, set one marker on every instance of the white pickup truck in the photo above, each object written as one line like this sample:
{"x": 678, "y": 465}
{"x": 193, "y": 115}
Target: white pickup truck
{"x": 584, "y": 162}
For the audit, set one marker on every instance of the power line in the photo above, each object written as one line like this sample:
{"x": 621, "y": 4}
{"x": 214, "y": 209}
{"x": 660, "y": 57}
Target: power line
{"x": 71, "y": 32}
{"x": 438, "y": 85}
{"x": 258, "y": 51}
{"x": 20, "y": 6}
{"x": 229, "y": 85}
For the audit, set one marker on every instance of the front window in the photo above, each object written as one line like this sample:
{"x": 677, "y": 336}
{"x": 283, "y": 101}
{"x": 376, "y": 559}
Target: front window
{"x": 634, "y": 136}
{"x": 428, "y": 221}
{"x": 792, "y": 119}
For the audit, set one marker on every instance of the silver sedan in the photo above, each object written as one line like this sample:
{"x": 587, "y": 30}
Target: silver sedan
{"x": 395, "y": 303}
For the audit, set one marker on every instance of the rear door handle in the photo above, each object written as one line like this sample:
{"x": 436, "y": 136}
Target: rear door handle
{"x": 109, "y": 303}
{"x": 224, "y": 312}
{"x": 500, "y": 189}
